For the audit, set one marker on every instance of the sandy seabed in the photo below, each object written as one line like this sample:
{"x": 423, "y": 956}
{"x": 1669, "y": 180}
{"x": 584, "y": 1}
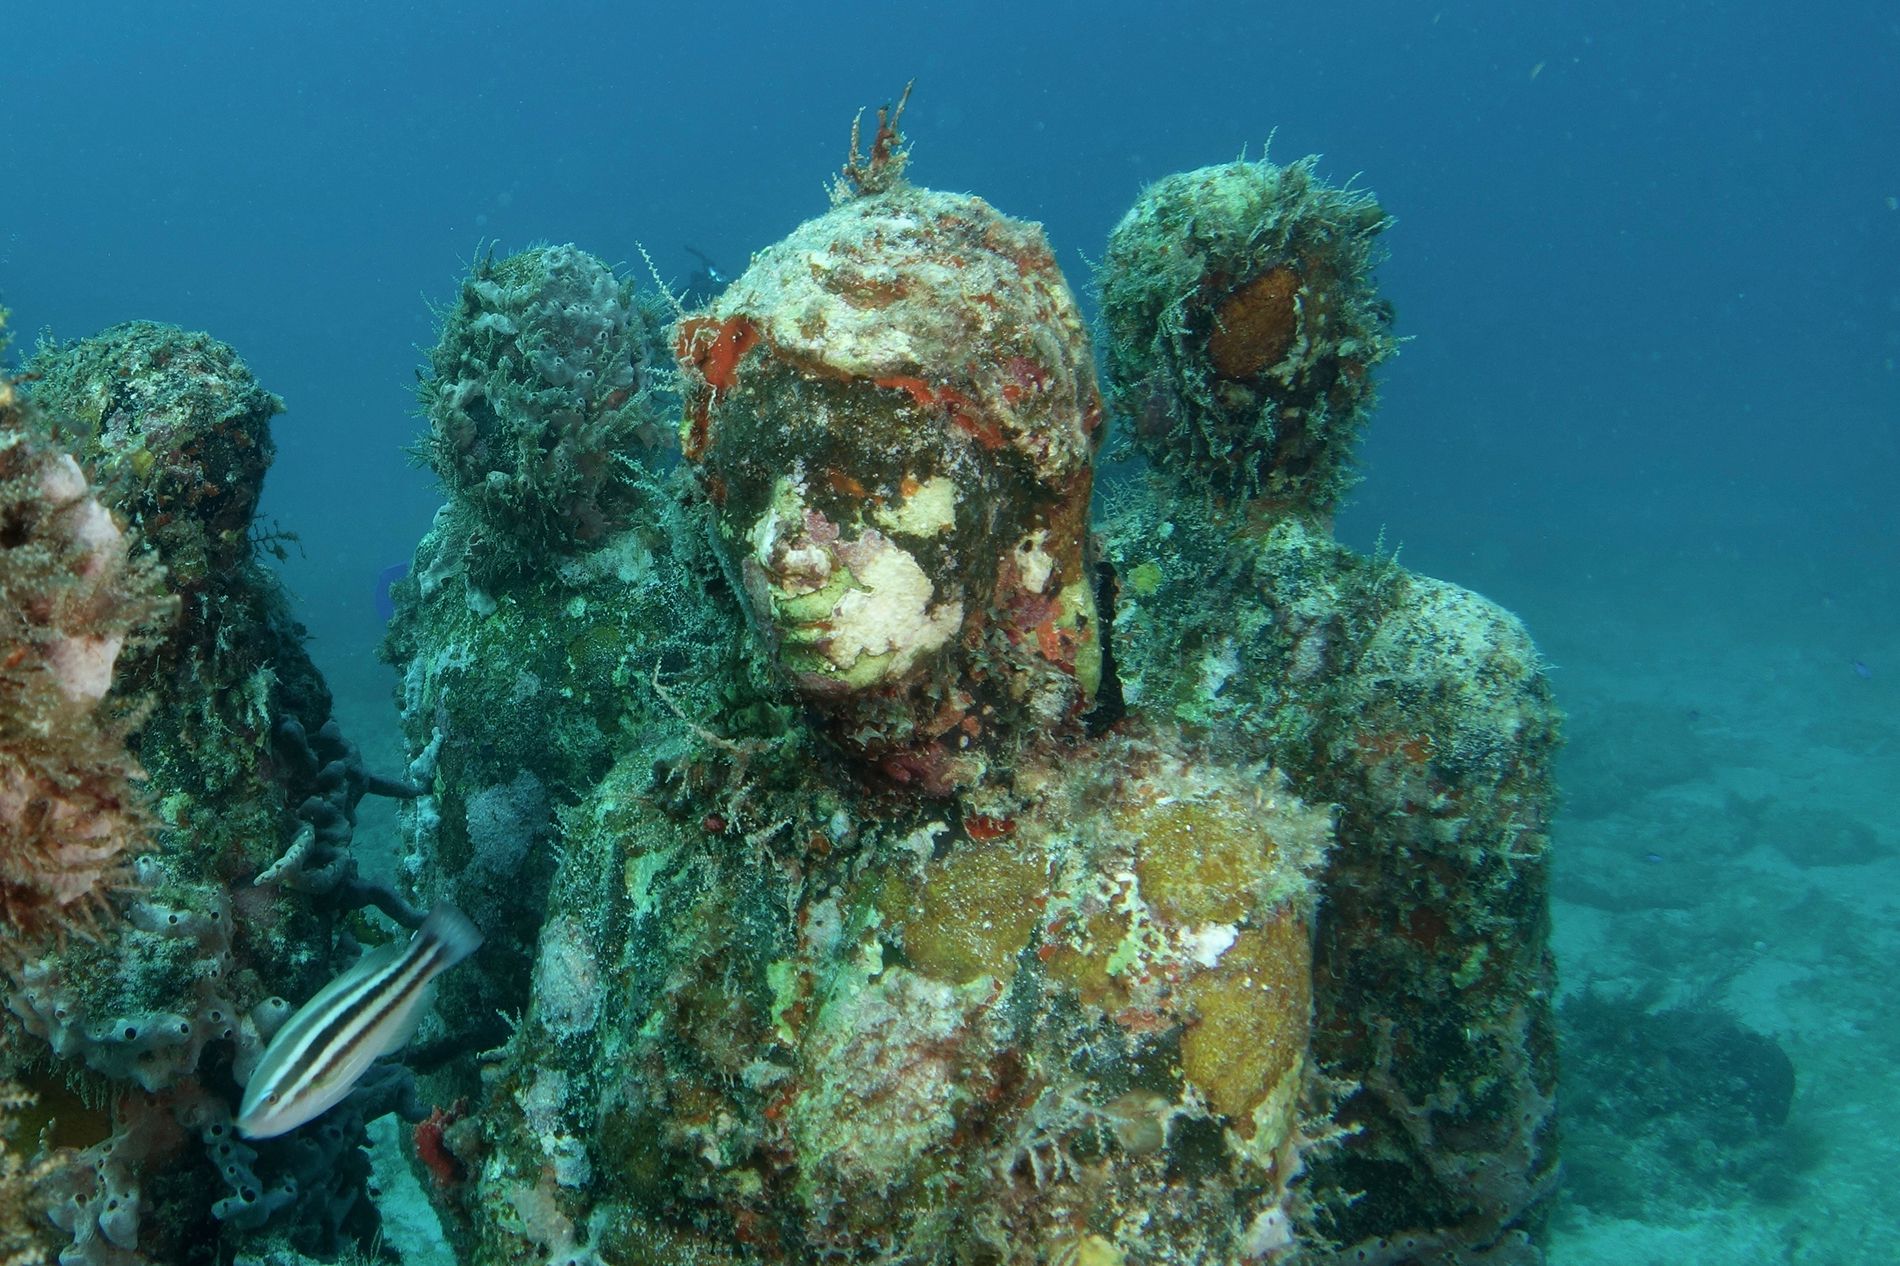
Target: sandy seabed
{"x": 1730, "y": 839}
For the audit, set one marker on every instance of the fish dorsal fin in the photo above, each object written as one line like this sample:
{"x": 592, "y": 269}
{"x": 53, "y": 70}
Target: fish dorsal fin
{"x": 367, "y": 964}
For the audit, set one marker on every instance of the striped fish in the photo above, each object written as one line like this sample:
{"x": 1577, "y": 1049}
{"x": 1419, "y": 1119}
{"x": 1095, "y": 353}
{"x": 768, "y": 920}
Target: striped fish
{"x": 370, "y": 1010}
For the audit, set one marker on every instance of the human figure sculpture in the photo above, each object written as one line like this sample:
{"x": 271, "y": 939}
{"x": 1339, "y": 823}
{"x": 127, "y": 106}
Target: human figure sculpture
{"x": 883, "y": 936}
{"x": 1242, "y": 323}
{"x": 933, "y": 973}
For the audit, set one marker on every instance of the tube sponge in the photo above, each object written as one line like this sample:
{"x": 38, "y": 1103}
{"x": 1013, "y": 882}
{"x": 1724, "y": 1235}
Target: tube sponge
{"x": 537, "y": 396}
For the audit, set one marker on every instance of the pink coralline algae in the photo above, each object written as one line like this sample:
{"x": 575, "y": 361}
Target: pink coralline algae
{"x": 72, "y": 592}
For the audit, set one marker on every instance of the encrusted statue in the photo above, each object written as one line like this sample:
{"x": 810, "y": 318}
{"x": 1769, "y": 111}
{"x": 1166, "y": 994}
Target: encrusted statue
{"x": 874, "y": 856}
{"x": 895, "y": 934}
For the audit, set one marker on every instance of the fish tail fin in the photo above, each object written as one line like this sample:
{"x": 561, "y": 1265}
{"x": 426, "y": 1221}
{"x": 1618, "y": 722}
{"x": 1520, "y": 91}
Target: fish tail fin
{"x": 451, "y": 928}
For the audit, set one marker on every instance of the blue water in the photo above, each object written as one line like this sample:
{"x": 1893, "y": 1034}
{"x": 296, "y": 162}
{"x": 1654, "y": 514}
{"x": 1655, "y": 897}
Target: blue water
{"x": 1647, "y": 252}
{"x": 1647, "y": 255}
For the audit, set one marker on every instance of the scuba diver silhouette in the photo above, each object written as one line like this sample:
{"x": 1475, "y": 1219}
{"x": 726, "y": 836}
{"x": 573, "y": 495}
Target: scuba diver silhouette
{"x": 706, "y": 281}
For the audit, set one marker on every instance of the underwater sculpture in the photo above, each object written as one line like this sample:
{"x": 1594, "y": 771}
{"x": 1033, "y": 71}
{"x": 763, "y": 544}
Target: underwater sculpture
{"x": 548, "y": 562}
{"x": 874, "y": 931}
{"x": 1241, "y": 325}
{"x": 894, "y": 415}
{"x": 872, "y": 863}
{"x": 236, "y": 889}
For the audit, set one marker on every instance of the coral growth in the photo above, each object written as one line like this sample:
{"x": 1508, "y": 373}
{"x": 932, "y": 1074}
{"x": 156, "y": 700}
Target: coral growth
{"x": 1255, "y": 325}
{"x": 883, "y": 168}
{"x": 429, "y": 1140}
{"x": 172, "y": 1170}
{"x": 74, "y": 589}
{"x": 1421, "y": 711}
{"x": 1067, "y": 1030}
{"x": 1241, "y": 324}
{"x": 25, "y": 1238}
{"x": 539, "y": 393}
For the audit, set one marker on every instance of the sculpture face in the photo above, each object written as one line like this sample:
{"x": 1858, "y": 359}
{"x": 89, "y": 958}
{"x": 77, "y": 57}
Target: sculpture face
{"x": 894, "y": 413}
{"x": 846, "y": 594}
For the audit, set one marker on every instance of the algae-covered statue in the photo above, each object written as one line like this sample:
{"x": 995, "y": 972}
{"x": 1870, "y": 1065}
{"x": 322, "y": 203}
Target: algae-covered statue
{"x": 176, "y": 799}
{"x": 876, "y": 856}
{"x": 1241, "y": 326}
{"x": 865, "y": 945}
{"x": 872, "y": 925}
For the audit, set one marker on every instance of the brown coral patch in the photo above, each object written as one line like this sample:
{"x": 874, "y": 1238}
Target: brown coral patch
{"x": 1252, "y": 1016}
{"x": 973, "y": 911}
{"x": 1201, "y": 859}
{"x": 1255, "y": 324}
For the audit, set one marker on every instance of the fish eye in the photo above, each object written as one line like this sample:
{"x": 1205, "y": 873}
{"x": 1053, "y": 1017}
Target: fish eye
{"x": 272, "y": 1097}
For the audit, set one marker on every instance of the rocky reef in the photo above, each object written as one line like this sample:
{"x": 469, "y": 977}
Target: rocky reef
{"x": 1677, "y": 1107}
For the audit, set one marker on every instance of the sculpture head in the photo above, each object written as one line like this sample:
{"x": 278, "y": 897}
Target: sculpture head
{"x": 894, "y": 415}
{"x": 1243, "y": 323}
